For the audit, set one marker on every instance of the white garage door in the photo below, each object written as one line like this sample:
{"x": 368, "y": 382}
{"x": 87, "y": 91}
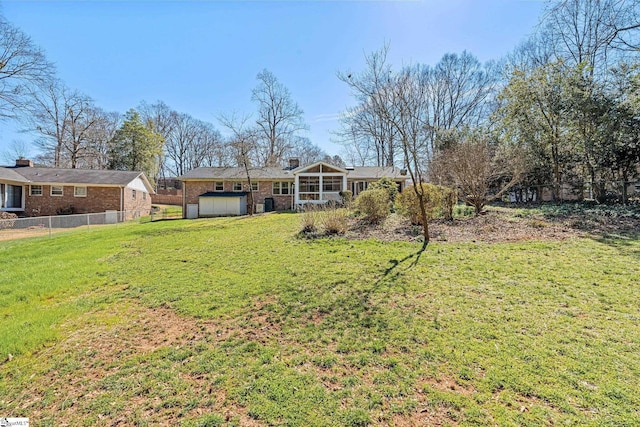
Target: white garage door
{"x": 215, "y": 206}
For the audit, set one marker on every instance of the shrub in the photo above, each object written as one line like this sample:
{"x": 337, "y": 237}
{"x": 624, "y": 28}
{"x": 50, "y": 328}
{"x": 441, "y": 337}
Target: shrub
{"x": 334, "y": 221}
{"x": 346, "y": 197}
{"x": 449, "y": 199}
{"x": 388, "y": 185}
{"x": 407, "y": 203}
{"x": 463, "y": 210}
{"x": 373, "y": 204}
{"x": 309, "y": 219}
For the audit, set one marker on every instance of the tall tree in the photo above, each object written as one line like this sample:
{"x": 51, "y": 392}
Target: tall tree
{"x": 279, "y": 121}
{"x": 402, "y": 100}
{"x": 591, "y": 31}
{"x": 136, "y": 147}
{"x": 62, "y": 118}
{"x": 99, "y": 137}
{"x": 22, "y": 67}
{"x": 533, "y": 112}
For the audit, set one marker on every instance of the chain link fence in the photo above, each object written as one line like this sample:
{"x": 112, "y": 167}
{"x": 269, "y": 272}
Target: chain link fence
{"x": 16, "y": 228}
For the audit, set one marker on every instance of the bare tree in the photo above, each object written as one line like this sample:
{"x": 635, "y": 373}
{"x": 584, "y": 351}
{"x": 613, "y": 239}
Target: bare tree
{"x": 63, "y": 118}
{"x": 590, "y": 31}
{"x": 243, "y": 141}
{"x": 279, "y": 121}
{"x": 18, "y": 149}
{"x": 402, "y": 100}
{"x": 23, "y": 66}
{"x": 481, "y": 172}
{"x": 367, "y": 126}
{"x": 306, "y": 152}
{"x": 99, "y": 137}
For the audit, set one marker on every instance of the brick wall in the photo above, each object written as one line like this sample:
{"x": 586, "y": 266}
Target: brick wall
{"x": 135, "y": 200}
{"x": 193, "y": 189}
{"x": 98, "y": 199}
{"x": 159, "y": 199}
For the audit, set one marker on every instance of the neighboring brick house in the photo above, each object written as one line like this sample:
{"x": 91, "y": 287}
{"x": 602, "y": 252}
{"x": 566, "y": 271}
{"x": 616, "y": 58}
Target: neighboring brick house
{"x": 225, "y": 190}
{"x": 37, "y": 191}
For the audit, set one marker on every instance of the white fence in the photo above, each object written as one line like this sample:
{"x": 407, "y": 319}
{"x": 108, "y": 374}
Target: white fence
{"x": 48, "y": 225}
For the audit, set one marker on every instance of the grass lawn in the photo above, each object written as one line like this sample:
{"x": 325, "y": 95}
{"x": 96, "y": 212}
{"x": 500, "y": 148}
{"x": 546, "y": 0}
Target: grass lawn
{"x": 236, "y": 321}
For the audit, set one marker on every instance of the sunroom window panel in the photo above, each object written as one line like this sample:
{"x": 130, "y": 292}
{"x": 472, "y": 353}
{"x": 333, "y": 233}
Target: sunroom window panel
{"x": 332, "y": 184}
{"x": 309, "y": 184}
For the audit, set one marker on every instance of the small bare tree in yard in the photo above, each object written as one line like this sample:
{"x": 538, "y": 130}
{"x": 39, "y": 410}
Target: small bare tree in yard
{"x": 243, "y": 142}
{"x": 481, "y": 173}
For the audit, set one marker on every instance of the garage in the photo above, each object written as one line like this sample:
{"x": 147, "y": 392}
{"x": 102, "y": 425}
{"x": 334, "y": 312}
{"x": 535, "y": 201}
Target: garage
{"x": 222, "y": 204}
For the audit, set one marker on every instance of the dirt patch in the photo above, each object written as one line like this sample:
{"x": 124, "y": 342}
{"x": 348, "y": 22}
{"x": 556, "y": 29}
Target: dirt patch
{"x": 496, "y": 226}
{"x": 96, "y": 358}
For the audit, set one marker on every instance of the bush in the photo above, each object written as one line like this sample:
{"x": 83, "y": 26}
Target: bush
{"x": 373, "y": 204}
{"x": 449, "y": 199}
{"x": 388, "y": 185}
{"x": 408, "y": 206}
{"x": 346, "y": 197}
{"x": 334, "y": 221}
{"x": 309, "y": 219}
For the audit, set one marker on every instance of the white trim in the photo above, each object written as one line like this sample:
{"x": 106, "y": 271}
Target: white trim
{"x": 75, "y": 191}
{"x": 339, "y": 170}
{"x": 56, "y": 195}
{"x": 36, "y": 185}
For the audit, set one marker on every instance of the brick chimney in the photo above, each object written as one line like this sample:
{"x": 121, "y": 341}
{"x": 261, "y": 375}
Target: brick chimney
{"x": 21, "y": 163}
{"x": 294, "y": 162}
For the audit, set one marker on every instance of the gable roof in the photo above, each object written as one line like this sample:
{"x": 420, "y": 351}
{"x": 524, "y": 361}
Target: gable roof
{"x": 236, "y": 173}
{"x": 301, "y": 169}
{"x": 8, "y": 174}
{"x": 40, "y": 175}
{"x": 271, "y": 173}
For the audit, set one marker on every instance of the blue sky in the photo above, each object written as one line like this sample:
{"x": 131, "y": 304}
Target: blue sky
{"x": 202, "y": 57}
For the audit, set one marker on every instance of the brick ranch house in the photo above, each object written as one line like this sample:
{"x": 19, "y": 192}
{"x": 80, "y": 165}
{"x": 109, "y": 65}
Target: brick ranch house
{"x": 221, "y": 191}
{"x": 38, "y": 191}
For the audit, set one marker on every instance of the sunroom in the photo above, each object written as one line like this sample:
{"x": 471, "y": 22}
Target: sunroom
{"x": 319, "y": 183}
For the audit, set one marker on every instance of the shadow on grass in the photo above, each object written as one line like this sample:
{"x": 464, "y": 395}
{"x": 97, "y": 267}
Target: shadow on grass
{"x": 391, "y": 275}
{"x": 627, "y": 244}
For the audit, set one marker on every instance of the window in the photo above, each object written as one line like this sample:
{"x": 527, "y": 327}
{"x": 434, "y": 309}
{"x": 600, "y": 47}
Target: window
{"x": 254, "y": 186}
{"x": 237, "y": 186}
{"x": 309, "y": 184}
{"x": 144, "y": 196}
{"x": 332, "y": 184}
{"x": 57, "y": 190}
{"x": 133, "y": 194}
{"x": 35, "y": 190}
{"x": 79, "y": 191}
{"x": 10, "y": 196}
{"x": 218, "y": 186}
{"x": 282, "y": 188}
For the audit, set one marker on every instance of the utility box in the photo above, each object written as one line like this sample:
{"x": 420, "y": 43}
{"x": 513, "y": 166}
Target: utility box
{"x": 192, "y": 211}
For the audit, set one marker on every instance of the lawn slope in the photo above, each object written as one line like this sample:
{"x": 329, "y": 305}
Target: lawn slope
{"x": 236, "y": 321}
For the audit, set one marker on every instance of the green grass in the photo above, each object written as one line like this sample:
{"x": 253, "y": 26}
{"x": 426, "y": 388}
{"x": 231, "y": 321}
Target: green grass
{"x": 286, "y": 331}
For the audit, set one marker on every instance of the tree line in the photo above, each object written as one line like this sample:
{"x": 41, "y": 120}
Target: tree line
{"x": 562, "y": 111}
{"x": 71, "y": 131}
